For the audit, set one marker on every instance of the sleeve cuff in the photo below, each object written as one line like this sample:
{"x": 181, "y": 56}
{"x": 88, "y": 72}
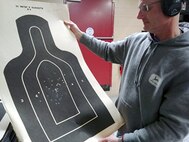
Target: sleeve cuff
{"x": 130, "y": 137}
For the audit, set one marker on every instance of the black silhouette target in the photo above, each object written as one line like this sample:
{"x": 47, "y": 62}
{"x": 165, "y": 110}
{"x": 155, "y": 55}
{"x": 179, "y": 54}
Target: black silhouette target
{"x": 51, "y": 93}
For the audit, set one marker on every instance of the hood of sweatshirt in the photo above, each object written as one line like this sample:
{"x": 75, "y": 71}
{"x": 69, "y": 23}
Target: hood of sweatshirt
{"x": 181, "y": 40}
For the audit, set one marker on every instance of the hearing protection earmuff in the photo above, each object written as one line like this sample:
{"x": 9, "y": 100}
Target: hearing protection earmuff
{"x": 171, "y": 7}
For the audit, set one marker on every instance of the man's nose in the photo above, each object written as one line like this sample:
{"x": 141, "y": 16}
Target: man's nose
{"x": 140, "y": 15}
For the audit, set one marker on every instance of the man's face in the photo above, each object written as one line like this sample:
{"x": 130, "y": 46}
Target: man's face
{"x": 151, "y": 14}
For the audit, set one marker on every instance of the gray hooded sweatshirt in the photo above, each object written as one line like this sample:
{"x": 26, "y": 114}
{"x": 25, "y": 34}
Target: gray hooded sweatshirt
{"x": 154, "y": 90}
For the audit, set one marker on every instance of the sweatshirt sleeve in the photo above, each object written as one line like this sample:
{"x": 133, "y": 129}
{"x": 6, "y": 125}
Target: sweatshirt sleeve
{"x": 173, "y": 122}
{"x": 109, "y": 51}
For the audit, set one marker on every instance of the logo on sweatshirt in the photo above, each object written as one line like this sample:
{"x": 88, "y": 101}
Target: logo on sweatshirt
{"x": 154, "y": 80}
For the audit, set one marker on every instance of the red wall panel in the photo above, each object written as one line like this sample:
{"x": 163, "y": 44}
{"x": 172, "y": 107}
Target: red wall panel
{"x": 99, "y": 15}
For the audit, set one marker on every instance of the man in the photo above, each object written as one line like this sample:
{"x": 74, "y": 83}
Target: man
{"x": 154, "y": 89}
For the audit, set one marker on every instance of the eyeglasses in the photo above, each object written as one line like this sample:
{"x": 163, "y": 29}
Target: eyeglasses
{"x": 146, "y": 7}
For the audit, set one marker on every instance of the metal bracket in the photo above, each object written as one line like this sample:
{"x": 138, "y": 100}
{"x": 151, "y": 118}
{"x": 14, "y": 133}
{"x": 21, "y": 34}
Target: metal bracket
{"x": 65, "y": 1}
